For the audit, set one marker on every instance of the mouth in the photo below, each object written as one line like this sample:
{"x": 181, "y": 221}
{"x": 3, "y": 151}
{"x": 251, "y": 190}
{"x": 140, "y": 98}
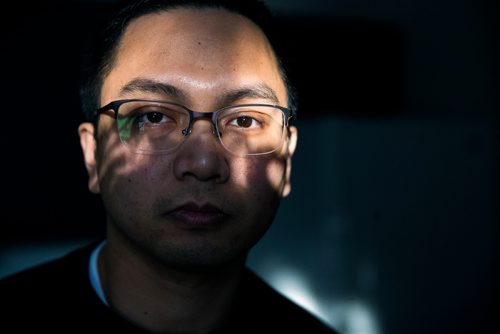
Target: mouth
{"x": 193, "y": 215}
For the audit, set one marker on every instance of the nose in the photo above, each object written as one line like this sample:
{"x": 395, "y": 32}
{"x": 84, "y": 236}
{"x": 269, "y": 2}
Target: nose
{"x": 201, "y": 156}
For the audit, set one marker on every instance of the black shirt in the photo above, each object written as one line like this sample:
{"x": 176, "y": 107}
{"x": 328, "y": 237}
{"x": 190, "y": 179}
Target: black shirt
{"x": 57, "y": 297}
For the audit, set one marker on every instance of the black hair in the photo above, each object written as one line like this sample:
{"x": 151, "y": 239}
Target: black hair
{"x": 101, "y": 52}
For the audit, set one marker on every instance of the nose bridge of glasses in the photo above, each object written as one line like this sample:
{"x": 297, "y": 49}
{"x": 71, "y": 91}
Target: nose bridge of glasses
{"x": 196, "y": 115}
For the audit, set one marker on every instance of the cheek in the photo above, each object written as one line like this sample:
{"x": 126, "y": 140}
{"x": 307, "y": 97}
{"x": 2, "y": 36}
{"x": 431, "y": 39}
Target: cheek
{"x": 116, "y": 163}
{"x": 275, "y": 172}
{"x": 260, "y": 186}
{"x": 261, "y": 177}
{"x": 126, "y": 179}
{"x": 133, "y": 174}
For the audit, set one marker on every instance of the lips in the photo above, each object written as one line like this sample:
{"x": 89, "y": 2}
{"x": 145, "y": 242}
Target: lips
{"x": 195, "y": 215}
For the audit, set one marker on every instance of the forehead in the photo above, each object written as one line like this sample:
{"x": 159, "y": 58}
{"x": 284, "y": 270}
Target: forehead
{"x": 211, "y": 47}
{"x": 218, "y": 25}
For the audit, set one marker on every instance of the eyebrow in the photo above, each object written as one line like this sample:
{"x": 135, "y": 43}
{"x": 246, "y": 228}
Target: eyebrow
{"x": 150, "y": 86}
{"x": 258, "y": 91}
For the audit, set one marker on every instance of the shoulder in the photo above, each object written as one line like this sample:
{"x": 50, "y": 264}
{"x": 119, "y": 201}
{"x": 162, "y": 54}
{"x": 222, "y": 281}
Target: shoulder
{"x": 272, "y": 311}
{"x": 55, "y": 273}
{"x": 57, "y": 297}
{"x": 49, "y": 291}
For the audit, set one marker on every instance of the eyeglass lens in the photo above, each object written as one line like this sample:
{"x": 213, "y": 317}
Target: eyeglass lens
{"x": 155, "y": 127}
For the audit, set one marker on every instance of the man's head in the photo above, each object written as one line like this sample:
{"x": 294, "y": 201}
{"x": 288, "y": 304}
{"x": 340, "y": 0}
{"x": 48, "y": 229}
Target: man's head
{"x": 199, "y": 205}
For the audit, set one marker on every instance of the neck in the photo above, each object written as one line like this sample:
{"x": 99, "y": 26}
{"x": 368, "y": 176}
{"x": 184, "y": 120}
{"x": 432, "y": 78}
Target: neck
{"x": 157, "y": 297}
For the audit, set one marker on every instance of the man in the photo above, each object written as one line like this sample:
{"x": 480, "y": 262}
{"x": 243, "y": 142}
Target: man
{"x": 189, "y": 145}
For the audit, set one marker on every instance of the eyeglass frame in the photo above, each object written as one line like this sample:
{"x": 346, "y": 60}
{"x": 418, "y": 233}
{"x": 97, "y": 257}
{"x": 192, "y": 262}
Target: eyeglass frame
{"x": 289, "y": 114}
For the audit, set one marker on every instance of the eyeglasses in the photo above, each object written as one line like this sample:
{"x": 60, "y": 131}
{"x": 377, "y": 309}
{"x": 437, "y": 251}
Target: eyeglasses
{"x": 153, "y": 126}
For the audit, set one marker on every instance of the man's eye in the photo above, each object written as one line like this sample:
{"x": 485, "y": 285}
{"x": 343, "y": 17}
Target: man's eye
{"x": 245, "y": 122}
{"x": 153, "y": 117}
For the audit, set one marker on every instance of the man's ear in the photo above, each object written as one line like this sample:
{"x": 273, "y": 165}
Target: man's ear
{"x": 292, "y": 144}
{"x": 88, "y": 144}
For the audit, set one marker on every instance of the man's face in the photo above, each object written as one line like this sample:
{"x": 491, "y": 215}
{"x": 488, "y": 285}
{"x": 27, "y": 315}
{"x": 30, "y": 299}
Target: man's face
{"x": 199, "y": 205}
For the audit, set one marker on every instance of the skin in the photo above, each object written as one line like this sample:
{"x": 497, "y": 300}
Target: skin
{"x": 159, "y": 268}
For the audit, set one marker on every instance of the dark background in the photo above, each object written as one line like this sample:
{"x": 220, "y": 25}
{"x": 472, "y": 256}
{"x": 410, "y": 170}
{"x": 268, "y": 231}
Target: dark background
{"x": 392, "y": 224}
